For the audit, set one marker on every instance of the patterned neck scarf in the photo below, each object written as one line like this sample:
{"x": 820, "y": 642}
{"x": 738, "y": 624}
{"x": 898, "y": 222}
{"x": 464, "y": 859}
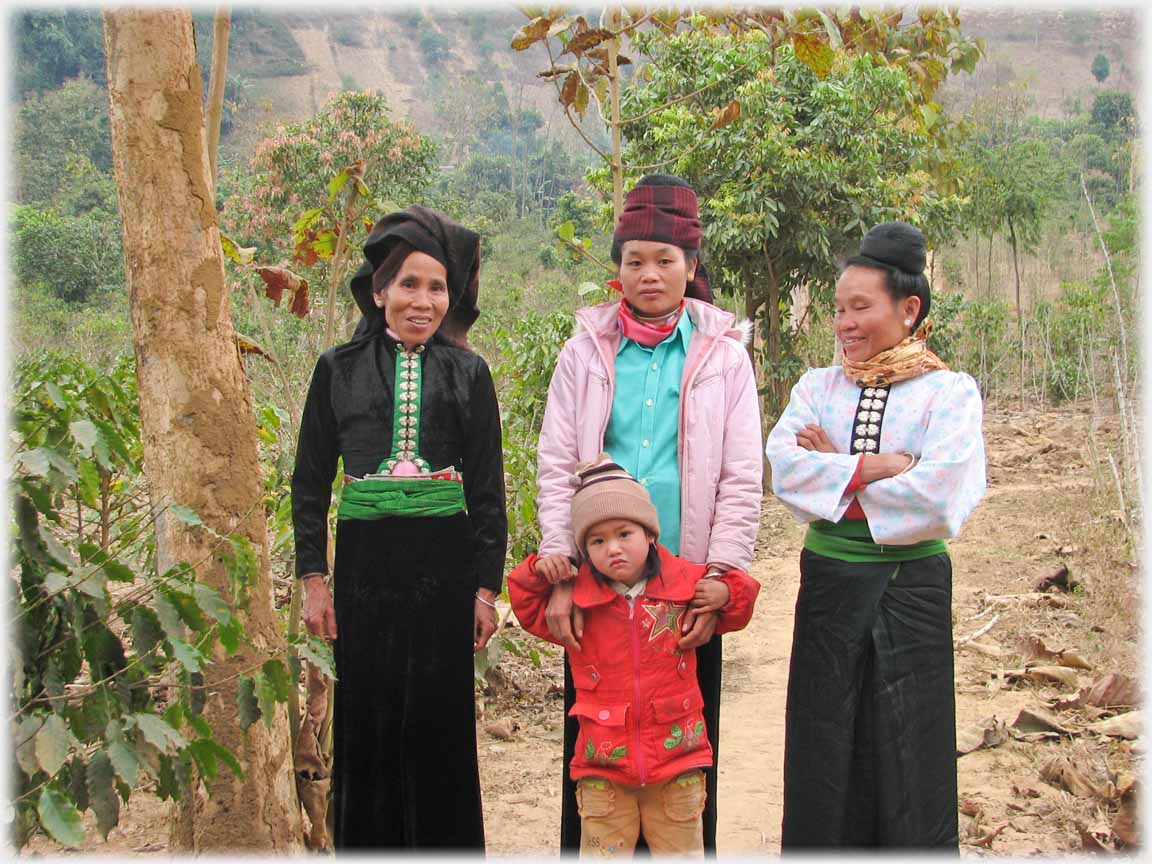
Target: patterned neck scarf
{"x": 905, "y": 360}
{"x": 647, "y": 331}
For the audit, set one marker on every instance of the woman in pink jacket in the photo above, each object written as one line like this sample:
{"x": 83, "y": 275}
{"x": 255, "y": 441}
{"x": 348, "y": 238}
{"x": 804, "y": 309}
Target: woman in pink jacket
{"x": 660, "y": 380}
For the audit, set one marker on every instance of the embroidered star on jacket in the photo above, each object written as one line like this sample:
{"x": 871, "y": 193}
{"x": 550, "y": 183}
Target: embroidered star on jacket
{"x": 665, "y": 617}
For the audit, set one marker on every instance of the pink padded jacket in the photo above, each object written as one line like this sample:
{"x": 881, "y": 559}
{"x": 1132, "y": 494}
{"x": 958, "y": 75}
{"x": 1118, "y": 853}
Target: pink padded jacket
{"x": 720, "y": 447}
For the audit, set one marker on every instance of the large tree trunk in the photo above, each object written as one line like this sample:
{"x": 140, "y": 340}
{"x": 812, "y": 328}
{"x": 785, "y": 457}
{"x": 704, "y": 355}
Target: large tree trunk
{"x": 195, "y": 408}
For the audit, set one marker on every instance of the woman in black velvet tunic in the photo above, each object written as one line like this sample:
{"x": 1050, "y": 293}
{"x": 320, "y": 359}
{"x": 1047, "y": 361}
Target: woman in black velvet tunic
{"x": 415, "y": 573}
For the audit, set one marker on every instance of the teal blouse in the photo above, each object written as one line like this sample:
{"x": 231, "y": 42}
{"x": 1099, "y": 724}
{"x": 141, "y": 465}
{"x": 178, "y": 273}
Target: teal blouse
{"x": 644, "y": 424}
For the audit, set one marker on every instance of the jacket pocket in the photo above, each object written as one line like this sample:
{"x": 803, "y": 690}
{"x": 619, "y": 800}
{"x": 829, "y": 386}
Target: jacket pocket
{"x": 603, "y": 738}
{"x": 585, "y": 676}
{"x": 681, "y": 720}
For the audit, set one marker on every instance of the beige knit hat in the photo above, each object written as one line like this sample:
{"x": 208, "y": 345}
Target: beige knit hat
{"x": 607, "y": 491}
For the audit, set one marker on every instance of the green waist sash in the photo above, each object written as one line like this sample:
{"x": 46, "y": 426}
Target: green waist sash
{"x": 411, "y": 497}
{"x": 851, "y": 540}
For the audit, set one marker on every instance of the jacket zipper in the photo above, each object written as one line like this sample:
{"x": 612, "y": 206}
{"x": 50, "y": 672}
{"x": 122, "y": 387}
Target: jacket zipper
{"x": 636, "y": 707}
{"x": 680, "y": 436}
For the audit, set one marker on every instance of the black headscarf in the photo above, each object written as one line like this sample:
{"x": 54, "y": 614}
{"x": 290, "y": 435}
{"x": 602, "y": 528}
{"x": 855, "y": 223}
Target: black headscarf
{"x": 434, "y": 234}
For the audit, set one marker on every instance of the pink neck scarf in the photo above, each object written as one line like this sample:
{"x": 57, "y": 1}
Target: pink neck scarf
{"x": 649, "y": 332}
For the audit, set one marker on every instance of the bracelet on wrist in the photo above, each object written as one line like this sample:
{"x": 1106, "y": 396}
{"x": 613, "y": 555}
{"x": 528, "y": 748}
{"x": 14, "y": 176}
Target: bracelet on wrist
{"x": 912, "y": 460}
{"x": 485, "y": 602}
{"x": 308, "y": 576}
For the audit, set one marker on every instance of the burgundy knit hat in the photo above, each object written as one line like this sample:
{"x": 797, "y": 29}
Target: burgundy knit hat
{"x": 663, "y": 208}
{"x": 606, "y": 491}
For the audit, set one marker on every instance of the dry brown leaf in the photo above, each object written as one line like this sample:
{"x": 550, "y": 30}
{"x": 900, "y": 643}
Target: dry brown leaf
{"x": 730, "y": 114}
{"x": 988, "y": 733}
{"x": 1128, "y": 725}
{"x": 1095, "y": 839}
{"x": 970, "y": 807}
{"x": 1031, "y": 721}
{"x": 1126, "y": 825}
{"x": 1113, "y": 690}
{"x": 986, "y": 840}
{"x": 1059, "y": 674}
{"x": 502, "y": 728}
{"x": 277, "y": 280}
{"x": 249, "y": 346}
{"x": 1029, "y": 600}
{"x": 1025, "y": 792}
{"x": 1032, "y": 647}
{"x": 988, "y": 649}
{"x": 1060, "y": 772}
{"x": 314, "y": 798}
{"x": 1073, "y": 660}
{"x": 1061, "y": 580}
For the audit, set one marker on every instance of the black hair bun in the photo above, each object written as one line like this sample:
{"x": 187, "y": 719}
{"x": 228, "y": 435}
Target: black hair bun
{"x": 896, "y": 244}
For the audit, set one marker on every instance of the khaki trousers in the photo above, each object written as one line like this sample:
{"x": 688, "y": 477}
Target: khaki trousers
{"x": 669, "y": 813}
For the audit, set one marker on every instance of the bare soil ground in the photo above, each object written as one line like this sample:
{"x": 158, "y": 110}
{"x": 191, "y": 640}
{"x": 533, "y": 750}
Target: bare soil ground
{"x": 1048, "y": 507}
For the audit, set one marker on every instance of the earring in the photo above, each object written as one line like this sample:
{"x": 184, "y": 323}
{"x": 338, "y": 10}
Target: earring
{"x": 907, "y": 322}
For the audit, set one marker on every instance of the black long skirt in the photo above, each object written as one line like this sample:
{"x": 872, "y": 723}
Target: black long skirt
{"x": 870, "y": 729}
{"x": 709, "y": 663}
{"x": 404, "y": 771}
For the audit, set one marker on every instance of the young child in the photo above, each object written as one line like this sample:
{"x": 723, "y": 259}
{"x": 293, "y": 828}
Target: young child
{"x": 643, "y": 742}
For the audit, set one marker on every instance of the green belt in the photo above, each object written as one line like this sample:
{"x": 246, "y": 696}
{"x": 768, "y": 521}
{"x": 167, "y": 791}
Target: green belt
{"x": 378, "y": 499}
{"x": 851, "y": 540}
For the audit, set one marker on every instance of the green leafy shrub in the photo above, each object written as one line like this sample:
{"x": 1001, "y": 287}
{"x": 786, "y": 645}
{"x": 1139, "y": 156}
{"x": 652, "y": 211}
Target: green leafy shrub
{"x": 107, "y": 652}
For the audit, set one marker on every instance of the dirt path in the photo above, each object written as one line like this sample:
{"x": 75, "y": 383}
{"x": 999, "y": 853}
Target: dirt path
{"x": 750, "y": 785}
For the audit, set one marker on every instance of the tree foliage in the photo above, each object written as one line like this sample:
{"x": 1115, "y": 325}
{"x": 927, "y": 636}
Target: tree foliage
{"x": 291, "y": 168}
{"x": 75, "y": 258}
{"x": 73, "y": 174}
{"x": 53, "y": 46}
{"x": 808, "y": 166}
{"x": 1101, "y": 68}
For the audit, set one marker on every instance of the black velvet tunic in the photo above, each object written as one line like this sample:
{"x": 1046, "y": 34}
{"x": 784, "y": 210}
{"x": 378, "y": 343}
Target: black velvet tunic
{"x": 405, "y": 771}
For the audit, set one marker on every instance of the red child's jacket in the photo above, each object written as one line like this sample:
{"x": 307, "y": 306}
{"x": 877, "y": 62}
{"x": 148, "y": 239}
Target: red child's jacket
{"x": 637, "y": 697}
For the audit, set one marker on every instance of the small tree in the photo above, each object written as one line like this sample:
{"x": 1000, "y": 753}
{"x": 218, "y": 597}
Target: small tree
{"x": 1101, "y": 68}
{"x": 1015, "y": 185}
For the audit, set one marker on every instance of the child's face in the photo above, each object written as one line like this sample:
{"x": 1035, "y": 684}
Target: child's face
{"x": 618, "y": 548}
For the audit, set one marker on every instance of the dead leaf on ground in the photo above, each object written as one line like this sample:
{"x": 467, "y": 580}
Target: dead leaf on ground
{"x": 986, "y": 840}
{"x": 971, "y": 807}
{"x": 502, "y": 728}
{"x": 1060, "y": 772}
{"x": 1030, "y": 600}
{"x": 988, "y": 733}
{"x": 1025, "y": 792}
{"x": 1097, "y": 838}
{"x": 988, "y": 649}
{"x": 1128, "y": 725}
{"x": 1059, "y": 674}
{"x": 1030, "y": 721}
{"x": 1060, "y": 581}
{"x": 1126, "y": 825}
{"x": 1114, "y": 690}
{"x": 1032, "y": 647}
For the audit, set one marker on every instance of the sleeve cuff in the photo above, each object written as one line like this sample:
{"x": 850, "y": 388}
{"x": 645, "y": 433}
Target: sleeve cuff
{"x": 855, "y": 484}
